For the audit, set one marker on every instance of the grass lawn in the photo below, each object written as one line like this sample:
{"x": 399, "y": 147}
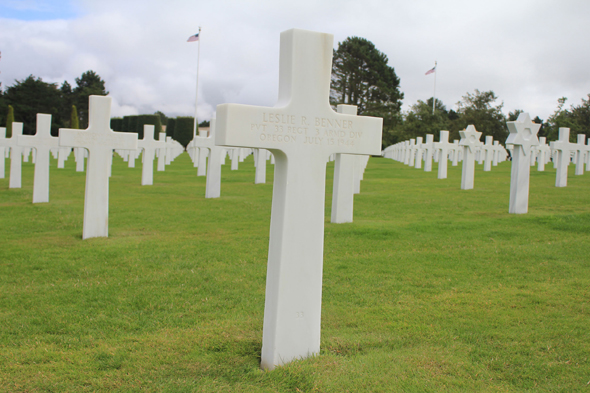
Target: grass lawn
{"x": 431, "y": 289}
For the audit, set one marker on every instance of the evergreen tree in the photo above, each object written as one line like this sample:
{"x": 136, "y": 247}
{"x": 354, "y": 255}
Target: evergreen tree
{"x": 88, "y": 84}
{"x": 420, "y": 120}
{"x": 9, "y": 121}
{"x": 74, "y": 118}
{"x": 31, "y": 96}
{"x": 183, "y": 130}
{"x": 170, "y": 126}
{"x": 361, "y": 77}
{"x": 117, "y": 124}
{"x": 478, "y": 109}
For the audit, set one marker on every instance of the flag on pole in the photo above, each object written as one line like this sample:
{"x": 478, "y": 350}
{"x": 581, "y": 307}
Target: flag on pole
{"x": 431, "y": 71}
{"x": 193, "y": 38}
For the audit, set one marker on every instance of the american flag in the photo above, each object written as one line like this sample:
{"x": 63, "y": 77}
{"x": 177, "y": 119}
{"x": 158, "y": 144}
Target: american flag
{"x": 193, "y": 38}
{"x": 431, "y": 71}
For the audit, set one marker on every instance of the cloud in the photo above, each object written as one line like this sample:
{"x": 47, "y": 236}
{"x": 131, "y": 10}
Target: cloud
{"x": 529, "y": 52}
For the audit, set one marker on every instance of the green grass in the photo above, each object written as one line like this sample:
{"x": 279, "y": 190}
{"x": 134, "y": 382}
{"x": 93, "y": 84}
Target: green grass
{"x": 431, "y": 289}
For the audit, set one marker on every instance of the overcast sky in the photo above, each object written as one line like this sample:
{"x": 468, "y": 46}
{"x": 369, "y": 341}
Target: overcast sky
{"x": 529, "y": 52}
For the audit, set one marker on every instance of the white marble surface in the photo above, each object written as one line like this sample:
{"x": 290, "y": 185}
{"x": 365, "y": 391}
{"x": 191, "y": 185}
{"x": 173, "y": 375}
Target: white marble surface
{"x": 100, "y": 141}
{"x": 301, "y": 131}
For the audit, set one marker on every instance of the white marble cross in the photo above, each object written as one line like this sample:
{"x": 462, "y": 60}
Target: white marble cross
{"x": 443, "y": 152}
{"x": 418, "y": 155}
{"x": 3, "y": 146}
{"x": 543, "y": 155}
{"x": 235, "y": 158}
{"x": 79, "y": 155}
{"x": 456, "y": 152}
{"x": 564, "y": 149}
{"x": 42, "y": 141}
{"x": 162, "y": 153}
{"x": 215, "y": 153}
{"x": 523, "y": 136}
{"x": 343, "y": 186}
{"x": 16, "y": 156}
{"x": 428, "y": 147}
{"x": 260, "y": 163}
{"x": 100, "y": 141}
{"x": 409, "y": 160}
{"x": 470, "y": 142}
{"x": 582, "y": 149}
{"x": 149, "y": 146}
{"x": 487, "y": 151}
{"x": 301, "y": 131}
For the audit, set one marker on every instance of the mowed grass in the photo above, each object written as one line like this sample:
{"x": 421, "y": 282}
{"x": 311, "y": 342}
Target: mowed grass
{"x": 431, "y": 289}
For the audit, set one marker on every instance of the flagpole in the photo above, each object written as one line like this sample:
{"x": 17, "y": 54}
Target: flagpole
{"x": 434, "y": 93}
{"x": 197, "y": 94}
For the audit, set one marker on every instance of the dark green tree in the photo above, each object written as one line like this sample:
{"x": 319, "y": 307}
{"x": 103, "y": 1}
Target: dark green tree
{"x": 163, "y": 118}
{"x": 117, "y": 124}
{"x": 88, "y": 84}
{"x": 420, "y": 120}
{"x": 204, "y": 123}
{"x": 9, "y": 121}
{"x": 361, "y": 77}
{"x": 31, "y": 96}
{"x": 170, "y": 126}
{"x": 479, "y": 109}
{"x": 183, "y": 130}
{"x": 148, "y": 119}
{"x": 512, "y": 116}
{"x": 74, "y": 123}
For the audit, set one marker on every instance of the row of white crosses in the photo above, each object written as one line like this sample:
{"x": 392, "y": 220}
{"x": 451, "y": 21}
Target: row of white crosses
{"x": 412, "y": 153}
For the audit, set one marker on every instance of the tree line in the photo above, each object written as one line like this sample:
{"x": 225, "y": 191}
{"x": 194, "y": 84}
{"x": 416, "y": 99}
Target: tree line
{"x": 361, "y": 76}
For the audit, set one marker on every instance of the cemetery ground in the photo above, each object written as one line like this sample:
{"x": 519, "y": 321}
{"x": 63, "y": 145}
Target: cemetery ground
{"x": 430, "y": 289}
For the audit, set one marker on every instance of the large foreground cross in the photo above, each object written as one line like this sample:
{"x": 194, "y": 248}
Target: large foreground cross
{"x": 301, "y": 131}
{"x": 100, "y": 141}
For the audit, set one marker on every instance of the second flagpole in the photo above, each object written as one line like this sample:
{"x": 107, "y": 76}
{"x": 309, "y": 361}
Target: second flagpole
{"x": 197, "y": 93}
{"x": 434, "y": 92}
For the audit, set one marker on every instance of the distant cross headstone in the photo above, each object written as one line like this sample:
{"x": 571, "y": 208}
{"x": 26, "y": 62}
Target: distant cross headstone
{"x": 544, "y": 152}
{"x": 343, "y": 186}
{"x": 418, "y": 155}
{"x": 62, "y": 156}
{"x": 301, "y": 131}
{"x": 235, "y": 159}
{"x": 149, "y": 146}
{"x": 411, "y": 153}
{"x": 42, "y": 141}
{"x": 3, "y": 145}
{"x": 582, "y": 149}
{"x": 564, "y": 149}
{"x": 260, "y": 174}
{"x": 79, "y": 154}
{"x": 428, "y": 147}
{"x": 203, "y": 152}
{"x": 216, "y": 154}
{"x": 456, "y": 152}
{"x": 16, "y": 156}
{"x": 523, "y": 136}
{"x": 100, "y": 141}
{"x": 470, "y": 142}
{"x": 487, "y": 151}
{"x": 443, "y": 152}
{"x": 162, "y": 152}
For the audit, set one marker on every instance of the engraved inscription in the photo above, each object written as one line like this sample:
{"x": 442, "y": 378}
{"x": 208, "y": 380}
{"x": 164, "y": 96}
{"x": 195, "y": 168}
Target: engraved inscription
{"x": 285, "y": 128}
{"x": 299, "y": 314}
